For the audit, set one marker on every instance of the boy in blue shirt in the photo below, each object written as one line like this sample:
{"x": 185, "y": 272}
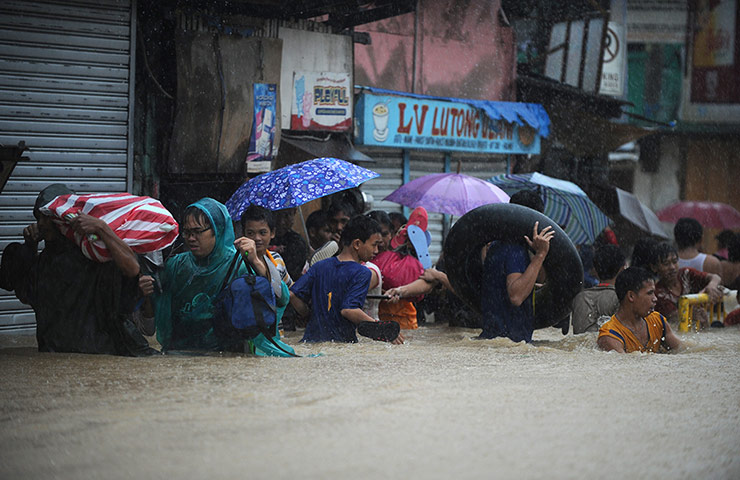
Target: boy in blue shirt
{"x": 337, "y": 287}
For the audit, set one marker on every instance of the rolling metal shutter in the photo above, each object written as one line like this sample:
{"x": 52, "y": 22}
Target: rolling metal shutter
{"x": 66, "y": 89}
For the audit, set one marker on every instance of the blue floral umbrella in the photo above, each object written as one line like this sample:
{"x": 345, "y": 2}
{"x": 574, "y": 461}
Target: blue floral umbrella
{"x": 294, "y": 185}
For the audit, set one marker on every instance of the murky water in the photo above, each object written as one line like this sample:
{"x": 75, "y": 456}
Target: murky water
{"x": 444, "y": 405}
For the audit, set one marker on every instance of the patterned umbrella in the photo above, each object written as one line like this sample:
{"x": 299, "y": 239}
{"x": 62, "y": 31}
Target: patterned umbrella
{"x": 709, "y": 214}
{"x": 565, "y": 203}
{"x": 451, "y": 193}
{"x": 141, "y": 222}
{"x": 294, "y": 185}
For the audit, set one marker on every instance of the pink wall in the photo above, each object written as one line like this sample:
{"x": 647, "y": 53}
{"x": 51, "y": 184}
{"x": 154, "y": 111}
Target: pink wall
{"x": 462, "y": 51}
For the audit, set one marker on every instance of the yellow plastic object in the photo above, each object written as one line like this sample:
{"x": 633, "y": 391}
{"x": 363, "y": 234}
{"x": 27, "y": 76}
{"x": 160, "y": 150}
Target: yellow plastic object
{"x": 687, "y": 303}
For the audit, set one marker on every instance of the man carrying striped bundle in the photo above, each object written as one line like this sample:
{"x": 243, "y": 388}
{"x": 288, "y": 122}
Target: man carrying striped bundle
{"x": 81, "y": 305}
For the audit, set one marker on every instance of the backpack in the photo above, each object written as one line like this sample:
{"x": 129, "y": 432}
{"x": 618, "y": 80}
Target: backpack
{"x": 244, "y": 308}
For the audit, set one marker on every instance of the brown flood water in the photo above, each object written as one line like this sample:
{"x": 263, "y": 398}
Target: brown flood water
{"x": 444, "y": 405}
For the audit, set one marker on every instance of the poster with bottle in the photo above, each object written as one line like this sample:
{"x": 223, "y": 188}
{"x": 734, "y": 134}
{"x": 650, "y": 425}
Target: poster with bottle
{"x": 262, "y": 141}
{"x": 321, "y": 101}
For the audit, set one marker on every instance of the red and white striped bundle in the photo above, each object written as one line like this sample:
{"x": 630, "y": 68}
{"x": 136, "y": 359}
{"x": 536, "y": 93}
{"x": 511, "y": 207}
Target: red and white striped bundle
{"x": 141, "y": 222}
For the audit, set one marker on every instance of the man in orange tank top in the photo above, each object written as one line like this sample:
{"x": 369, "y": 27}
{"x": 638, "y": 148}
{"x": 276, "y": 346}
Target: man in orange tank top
{"x": 636, "y": 327}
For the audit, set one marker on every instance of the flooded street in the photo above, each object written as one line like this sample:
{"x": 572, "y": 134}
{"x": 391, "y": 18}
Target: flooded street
{"x": 444, "y": 405}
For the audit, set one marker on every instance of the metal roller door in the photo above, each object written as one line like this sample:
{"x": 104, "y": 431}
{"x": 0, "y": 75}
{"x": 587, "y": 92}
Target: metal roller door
{"x": 66, "y": 72}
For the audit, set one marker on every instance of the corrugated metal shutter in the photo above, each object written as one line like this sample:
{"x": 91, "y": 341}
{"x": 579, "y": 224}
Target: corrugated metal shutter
{"x": 65, "y": 85}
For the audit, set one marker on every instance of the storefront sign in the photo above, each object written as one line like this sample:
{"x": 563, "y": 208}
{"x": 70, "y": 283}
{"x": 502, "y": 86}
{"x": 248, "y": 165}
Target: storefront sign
{"x": 262, "y": 141}
{"x": 402, "y": 122}
{"x": 321, "y": 101}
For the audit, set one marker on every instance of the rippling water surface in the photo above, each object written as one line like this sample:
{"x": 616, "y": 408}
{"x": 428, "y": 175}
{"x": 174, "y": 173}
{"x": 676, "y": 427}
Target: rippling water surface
{"x": 444, "y": 405}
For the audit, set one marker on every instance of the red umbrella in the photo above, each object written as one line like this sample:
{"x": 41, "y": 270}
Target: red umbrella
{"x": 141, "y": 222}
{"x": 709, "y": 214}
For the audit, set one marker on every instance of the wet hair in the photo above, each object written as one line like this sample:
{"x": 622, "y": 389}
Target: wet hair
{"x": 733, "y": 249}
{"x": 398, "y": 217}
{"x": 255, "y": 213}
{"x": 608, "y": 259}
{"x": 631, "y": 279}
{"x": 724, "y": 238}
{"x": 317, "y": 219}
{"x": 661, "y": 252}
{"x": 642, "y": 253}
{"x": 198, "y": 215}
{"x": 381, "y": 217}
{"x": 528, "y": 198}
{"x": 337, "y": 207}
{"x": 687, "y": 232}
{"x": 359, "y": 227}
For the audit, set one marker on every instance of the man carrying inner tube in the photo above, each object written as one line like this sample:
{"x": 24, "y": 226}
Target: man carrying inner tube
{"x": 509, "y": 277}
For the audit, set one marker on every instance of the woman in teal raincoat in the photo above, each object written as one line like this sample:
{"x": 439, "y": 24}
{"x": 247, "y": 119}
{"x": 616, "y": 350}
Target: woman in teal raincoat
{"x": 192, "y": 280}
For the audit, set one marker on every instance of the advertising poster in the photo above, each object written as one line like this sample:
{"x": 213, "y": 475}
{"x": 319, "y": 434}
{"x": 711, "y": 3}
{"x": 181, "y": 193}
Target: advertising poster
{"x": 403, "y": 122}
{"x": 321, "y": 101}
{"x": 710, "y": 92}
{"x": 262, "y": 140}
{"x": 714, "y": 55}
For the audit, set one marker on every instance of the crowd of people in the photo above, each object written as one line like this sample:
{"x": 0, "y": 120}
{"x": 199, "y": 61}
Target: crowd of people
{"x": 355, "y": 272}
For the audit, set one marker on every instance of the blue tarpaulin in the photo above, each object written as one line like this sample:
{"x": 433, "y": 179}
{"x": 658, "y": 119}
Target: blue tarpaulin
{"x": 532, "y": 114}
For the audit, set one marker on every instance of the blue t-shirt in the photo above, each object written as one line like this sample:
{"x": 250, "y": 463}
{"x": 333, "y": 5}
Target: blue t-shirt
{"x": 332, "y": 286}
{"x": 500, "y": 317}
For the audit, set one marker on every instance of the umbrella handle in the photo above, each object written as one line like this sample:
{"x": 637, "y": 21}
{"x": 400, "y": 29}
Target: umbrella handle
{"x": 303, "y": 223}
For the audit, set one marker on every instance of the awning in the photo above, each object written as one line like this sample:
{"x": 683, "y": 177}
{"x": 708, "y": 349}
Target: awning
{"x": 531, "y": 114}
{"x": 588, "y": 134}
{"x": 584, "y": 123}
{"x": 337, "y": 145}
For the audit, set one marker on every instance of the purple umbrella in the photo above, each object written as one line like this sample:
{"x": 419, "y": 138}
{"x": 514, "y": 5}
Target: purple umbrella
{"x": 451, "y": 193}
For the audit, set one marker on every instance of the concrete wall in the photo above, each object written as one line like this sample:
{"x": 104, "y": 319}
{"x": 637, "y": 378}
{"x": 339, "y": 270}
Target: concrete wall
{"x": 451, "y": 48}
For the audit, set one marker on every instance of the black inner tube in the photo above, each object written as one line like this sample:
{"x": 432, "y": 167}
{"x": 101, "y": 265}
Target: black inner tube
{"x": 510, "y": 223}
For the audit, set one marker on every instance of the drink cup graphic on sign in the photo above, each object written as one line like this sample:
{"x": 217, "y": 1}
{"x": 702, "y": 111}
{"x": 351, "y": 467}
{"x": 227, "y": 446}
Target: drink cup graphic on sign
{"x": 380, "y": 120}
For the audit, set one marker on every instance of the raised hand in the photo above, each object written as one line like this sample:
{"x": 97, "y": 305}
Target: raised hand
{"x": 540, "y": 242}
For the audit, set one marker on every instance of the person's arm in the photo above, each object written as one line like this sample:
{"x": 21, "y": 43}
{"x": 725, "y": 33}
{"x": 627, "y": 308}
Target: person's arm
{"x": 608, "y": 343}
{"x": 299, "y": 305}
{"x": 31, "y": 236}
{"x": 520, "y": 285}
{"x": 124, "y": 258}
{"x": 248, "y": 249}
{"x": 434, "y": 275}
{"x": 413, "y": 289}
{"x": 674, "y": 344}
{"x": 712, "y": 265}
{"x": 146, "y": 285}
{"x": 356, "y": 315}
{"x": 712, "y": 288}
